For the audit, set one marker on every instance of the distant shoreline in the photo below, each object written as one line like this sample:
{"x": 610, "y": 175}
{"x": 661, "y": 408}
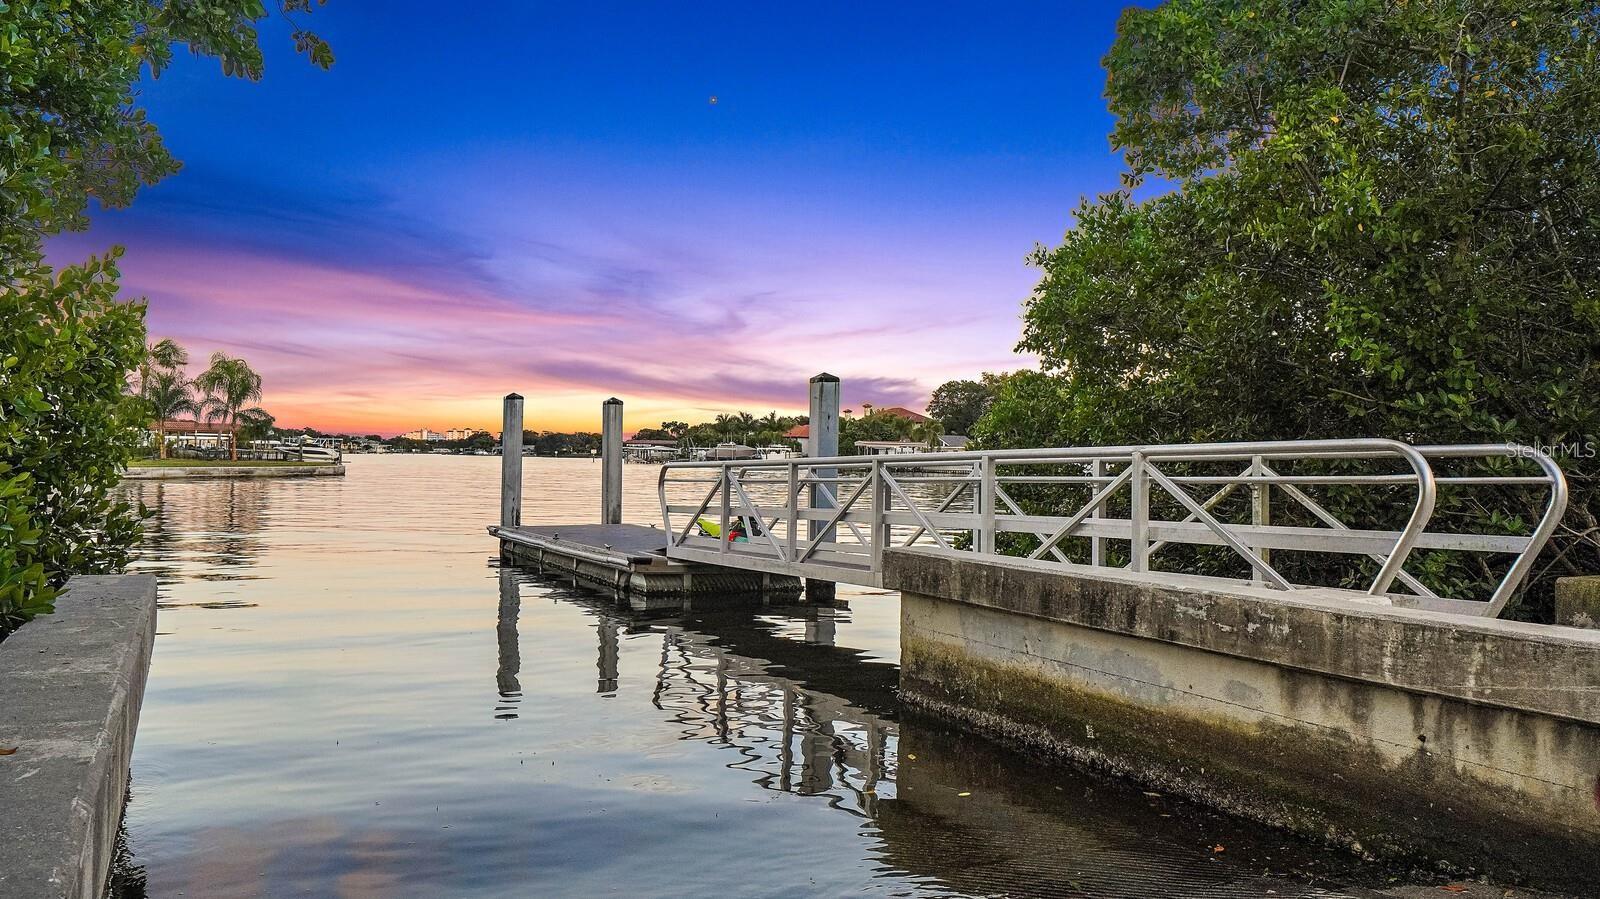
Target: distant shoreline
{"x": 181, "y": 469}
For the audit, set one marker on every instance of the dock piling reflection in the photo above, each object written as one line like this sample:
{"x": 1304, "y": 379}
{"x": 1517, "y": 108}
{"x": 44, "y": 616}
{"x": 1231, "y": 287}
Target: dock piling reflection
{"x": 508, "y": 645}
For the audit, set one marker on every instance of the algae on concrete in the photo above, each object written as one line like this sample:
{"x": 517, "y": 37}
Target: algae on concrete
{"x": 1471, "y": 742}
{"x": 1578, "y": 601}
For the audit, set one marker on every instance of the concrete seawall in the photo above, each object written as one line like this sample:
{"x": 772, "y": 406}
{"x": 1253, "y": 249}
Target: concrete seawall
{"x": 71, "y": 685}
{"x": 191, "y": 472}
{"x": 1394, "y": 732}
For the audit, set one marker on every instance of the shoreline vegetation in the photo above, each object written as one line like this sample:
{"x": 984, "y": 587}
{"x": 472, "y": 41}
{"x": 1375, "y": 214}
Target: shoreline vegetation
{"x": 72, "y": 344}
{"x": 224, "y": 463}
{"x": 217, "y": 397}
{"x": 953, "y": 408}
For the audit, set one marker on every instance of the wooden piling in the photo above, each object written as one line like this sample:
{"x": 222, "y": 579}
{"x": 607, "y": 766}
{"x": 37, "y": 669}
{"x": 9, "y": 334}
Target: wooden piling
{"x": 511, "y": 462}
{"x": 611, "y": 461}
{"x": 824, "y": 429}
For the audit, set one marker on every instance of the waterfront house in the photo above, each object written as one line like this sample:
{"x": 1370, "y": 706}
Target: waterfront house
{"x": 801, "y": 435}
{"x": 198, "y": 437}
{"x": 902, "y": 412}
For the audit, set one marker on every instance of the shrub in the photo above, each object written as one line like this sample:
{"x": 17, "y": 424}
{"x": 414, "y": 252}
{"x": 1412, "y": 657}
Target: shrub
{"x": 67, "y": 429}
{"x": 1382, "y": 222}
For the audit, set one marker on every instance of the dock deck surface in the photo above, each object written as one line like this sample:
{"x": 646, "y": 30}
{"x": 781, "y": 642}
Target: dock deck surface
{"x": 640, "y": 543}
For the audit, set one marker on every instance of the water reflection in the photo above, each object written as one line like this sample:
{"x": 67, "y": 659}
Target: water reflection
{"x": 510, "y": 653}
{"x": 802, "y": 716}
{"x": 790, "y": 738}
{"x": 214, "y": 524}
{"x": 327, "y": 714}
{"x": 609, "y": 658}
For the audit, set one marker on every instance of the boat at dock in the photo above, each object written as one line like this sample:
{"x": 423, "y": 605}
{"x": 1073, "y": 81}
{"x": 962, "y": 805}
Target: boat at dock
{"x": 725, "y": 452}
{"x": 292, "y": 450}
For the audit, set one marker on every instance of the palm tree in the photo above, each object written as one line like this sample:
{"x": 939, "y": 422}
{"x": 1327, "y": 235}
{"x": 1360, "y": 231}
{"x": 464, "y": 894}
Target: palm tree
{"x": 166, "y": 354}
{"x": 229, "y": 384}
{"x": 168, "y": 394}
{"x": 746, "y": 424}
{"x": 255, "y": 423}
{"x": 928, "y": 432}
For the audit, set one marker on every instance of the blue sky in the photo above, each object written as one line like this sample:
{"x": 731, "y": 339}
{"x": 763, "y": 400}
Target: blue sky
{"x": 488, "y": 197}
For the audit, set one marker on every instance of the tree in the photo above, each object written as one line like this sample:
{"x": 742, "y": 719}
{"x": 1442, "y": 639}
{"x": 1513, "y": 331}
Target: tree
{"x": 68, "y": 104}
{"x": 728, "y": 425}
{"x": 1382, "y": 223}
{"x": 928, "y": 433}
{"x": 167, "y": 394}
{"x": 255, "y": 423}
{"x": 67, "y": 429}
{"x": 959, "y": 404}
{"x": 166, "y": 354}
{"x": 872, "y": 426}
{"x": 165, "y": 390}
{"x": 228, "y": 384}
{"x": 71, "y": 129}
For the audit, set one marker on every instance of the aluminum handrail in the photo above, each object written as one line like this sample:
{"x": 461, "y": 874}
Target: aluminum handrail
{"x": 840, "y": 482}
{"x": 1554, "y": 509}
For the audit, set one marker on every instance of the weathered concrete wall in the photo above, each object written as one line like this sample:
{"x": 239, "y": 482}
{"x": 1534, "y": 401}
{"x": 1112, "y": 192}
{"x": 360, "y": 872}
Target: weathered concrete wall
{"x": 70, "y": 688}
{"x": 1390, "y": 731}
{"x": 1578, "y": 601}
{"x": 310, "y": 470}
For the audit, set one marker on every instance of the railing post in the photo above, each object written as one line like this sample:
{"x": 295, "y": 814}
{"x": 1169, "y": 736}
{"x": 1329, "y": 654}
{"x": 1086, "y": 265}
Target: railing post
{"x": 1097, "y": 545}
{"x": 511, "y": 462}
{"x": 1260, "y": 509}
{"x": 727, "y": 501}
{"x": 880, "y": 503}
{"x": 611, "y": 461}
{"x": 794, "y": 510}
{"x": 987, "y": 500}
{"x": 1139, "y": 517}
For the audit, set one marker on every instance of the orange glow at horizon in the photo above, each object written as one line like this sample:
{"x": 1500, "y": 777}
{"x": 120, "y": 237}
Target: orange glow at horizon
{"x": 562, "y": 413}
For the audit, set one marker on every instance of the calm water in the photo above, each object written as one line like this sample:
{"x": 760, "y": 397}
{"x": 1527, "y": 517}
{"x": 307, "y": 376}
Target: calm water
{"x": 349, "y": 698}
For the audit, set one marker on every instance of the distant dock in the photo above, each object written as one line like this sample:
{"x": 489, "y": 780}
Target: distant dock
{"x": 201, "y": 472}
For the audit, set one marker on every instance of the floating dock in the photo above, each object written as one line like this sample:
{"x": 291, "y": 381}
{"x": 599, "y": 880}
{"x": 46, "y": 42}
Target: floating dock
{"x": 631, "y": 560}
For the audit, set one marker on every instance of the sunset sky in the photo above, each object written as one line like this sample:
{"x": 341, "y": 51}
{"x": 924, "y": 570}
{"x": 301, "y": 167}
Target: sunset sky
{"x": 540, "y": 197}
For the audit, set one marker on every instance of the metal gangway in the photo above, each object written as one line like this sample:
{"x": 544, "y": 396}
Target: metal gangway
{"x": 1141, "y": 508}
